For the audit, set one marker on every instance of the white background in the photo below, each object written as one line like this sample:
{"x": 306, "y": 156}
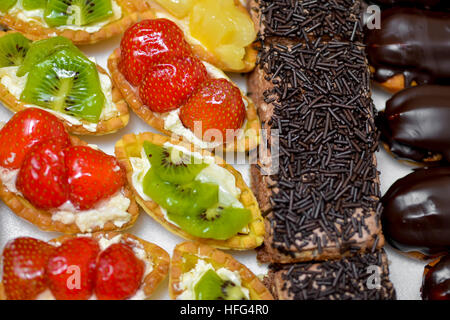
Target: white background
{"x": 406, "y": 273}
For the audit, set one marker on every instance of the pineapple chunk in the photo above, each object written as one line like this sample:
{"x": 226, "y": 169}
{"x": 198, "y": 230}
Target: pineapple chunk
{"x": 178, "y": 8}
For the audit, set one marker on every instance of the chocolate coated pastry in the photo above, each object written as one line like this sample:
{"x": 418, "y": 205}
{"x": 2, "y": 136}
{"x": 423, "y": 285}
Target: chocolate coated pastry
{"x": 416, "y": 215}
{"x": 415, "y": 124}
{"x": 427, "y": 4}
{"x": 436, "y": 280}
{"x": 412, "y": 45}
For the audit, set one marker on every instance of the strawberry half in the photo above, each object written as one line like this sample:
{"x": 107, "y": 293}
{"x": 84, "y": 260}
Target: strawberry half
{"x": 92, "y": 176}
{"x": 119, "y": 273}
{"x": 148, "y": 42}
{"x": 25, "y": 129}
{"x": 24, "y": 262}
{"x": 168, "y": 84}
{"x": 42, "y": 178}
{"x": 216, "y": 105}
{"x": 71, "y": 269}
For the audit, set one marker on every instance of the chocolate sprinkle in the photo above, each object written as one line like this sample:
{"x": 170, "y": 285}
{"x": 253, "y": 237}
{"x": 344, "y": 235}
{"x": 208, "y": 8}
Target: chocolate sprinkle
{"x": 345, "y": 279}
{"x": 325, "y": 117}
{"x": 307, "y": 20}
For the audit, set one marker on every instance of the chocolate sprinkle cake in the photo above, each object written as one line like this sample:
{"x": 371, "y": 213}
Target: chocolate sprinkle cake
{"x": 360, "y": 277}
{"x": 312, "y": 85}
{"x": 304, "y": 20}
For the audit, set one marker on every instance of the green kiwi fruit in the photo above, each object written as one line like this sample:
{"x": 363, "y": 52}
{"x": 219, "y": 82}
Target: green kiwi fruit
{"x": 66, "y": 82}
{"x": 172, "y": 165}
{"x": 212, "y": 287}
{"x": 40, "y": 50}
{"x": 33, "y": 4}
{"x": 191, "y": 198}
{"x": 13, "y": 49}
{"x": 216, "y": 222}
{"x": 5, "y": 5}
{"x": 76, "y": 12}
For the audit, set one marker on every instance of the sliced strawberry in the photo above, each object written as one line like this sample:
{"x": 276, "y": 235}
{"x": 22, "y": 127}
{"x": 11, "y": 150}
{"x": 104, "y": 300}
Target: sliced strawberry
{"x": 24, "y": 262}
{"x": 147, "y": 42}
{"x": 119, "y": 273}
{"x": 92, "y": 176}
{"x": 169, "y": 83}
{"x": 42, "y": 178}
{"x": 217, "y": 104}
{"x": 71, "y": 269}
{"x": 25, "y": 129}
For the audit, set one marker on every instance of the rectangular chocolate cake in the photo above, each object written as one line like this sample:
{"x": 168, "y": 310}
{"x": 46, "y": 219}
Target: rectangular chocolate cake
{"x": 360, "y": 277}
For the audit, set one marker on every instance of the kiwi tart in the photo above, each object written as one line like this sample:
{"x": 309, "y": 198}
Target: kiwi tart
{"x": 191, "y": 193}
{"x": 220, "y": 32}
{"x": 170, "y": 124}
{"x": 82, "y": 21}
{"x": 55, "y": 75}
{"x": 200, "y": 272}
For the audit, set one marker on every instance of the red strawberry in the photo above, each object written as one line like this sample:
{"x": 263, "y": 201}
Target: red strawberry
{"x": 217, "y": 104}
{"x": 147, "y": 42}
{"x": 119, "y": 273}
{"x": 168, "y": 84}
{"x": 71, "y": 269}
{"x": 24, "y": 262}
{"x": 25, "y": 129}
{"x": 42, "y": 179}
{"x": 92, "y": 176}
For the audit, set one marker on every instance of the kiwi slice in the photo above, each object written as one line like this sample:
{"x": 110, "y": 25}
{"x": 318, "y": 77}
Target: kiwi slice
{"x": 76, "y": 12}
{"x": 33, "y": 4}
{"x": 13, "y": 49}
{"x": 172, "y": 165}
{"x": 212, "y": 287}
{"x": 192, "y": 198}
{"x": 5, "y": 5}
{"x": 42, "y": 49}
{"x": 217, "y": 222}
{"x": 66, "y": 82}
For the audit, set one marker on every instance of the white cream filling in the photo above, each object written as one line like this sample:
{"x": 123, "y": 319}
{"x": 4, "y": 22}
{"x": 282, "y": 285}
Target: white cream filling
{"x": 229, "y": 193}
{"x": 172, "y": 121}
{"x": 104, "y": 243}
{"x": 188, "y": 280}
{"x": 16, "y": 85}
{"x": 9, "y": 177}
{"x": 38, "y": 16}
{"x": 113, "y": 209}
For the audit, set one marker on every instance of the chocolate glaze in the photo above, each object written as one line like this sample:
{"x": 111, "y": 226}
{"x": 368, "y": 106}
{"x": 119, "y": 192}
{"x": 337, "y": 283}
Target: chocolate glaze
{"x": 416, "y": 215}
{"x": 412, "y": 42}
{"x": 415, "y": 124}
{"x": 436, "y": 282}
{"x": 428, "y": 4}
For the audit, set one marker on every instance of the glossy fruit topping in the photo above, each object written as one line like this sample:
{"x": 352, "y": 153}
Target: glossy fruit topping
{"x": 26, "y": 129}
{"x": 24, "y": 263}
{"x": 42, "y": 178}
{"x": 216, "y": 108}
{"x": 119, "y": 273}
{"x": 169, "y": 83}
{"x": 149, "y": 42}
{"x": 71, "y": 269}
{"x": 92, "y": 176}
